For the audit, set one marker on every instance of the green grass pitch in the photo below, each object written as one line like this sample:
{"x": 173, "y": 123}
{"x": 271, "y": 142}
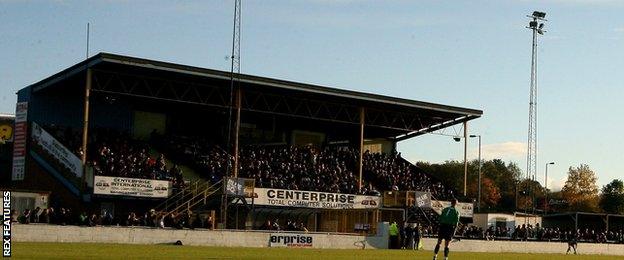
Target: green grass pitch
{"x": 123, "y": 251}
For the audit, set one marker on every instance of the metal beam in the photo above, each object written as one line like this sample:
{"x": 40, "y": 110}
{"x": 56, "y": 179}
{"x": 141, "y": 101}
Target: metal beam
{"x": 434, "y": 128}
{"x": 237, "y": 130}
{"x": 120, "y": 83}
{"x": 85, "y": 128}
{"x": 361, "y": 143}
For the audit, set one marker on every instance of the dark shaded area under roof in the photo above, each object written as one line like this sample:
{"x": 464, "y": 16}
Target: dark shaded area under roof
{"x": 142, "y": 78}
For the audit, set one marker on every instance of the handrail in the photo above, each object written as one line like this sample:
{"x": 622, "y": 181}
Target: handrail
{"x": 203, "y": 195}
{"x": 184, "y": 195}
{"x": 179, "y": 193}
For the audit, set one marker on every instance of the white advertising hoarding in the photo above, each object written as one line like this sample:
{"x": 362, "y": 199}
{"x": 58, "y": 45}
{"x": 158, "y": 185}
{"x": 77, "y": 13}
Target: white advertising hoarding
{"x": 19, "y": 141}
{"x": 104, "y": 185}
{"x": 313, "y": 199}
{"x": 57, "y": 150}
{"x": 465, "y": 209}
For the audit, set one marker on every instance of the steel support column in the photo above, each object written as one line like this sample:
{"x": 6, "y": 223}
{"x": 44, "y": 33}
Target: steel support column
{"x": 239, "y": 92}
{"x": 465, "y": 156}
{"x": 360, "y": 158}
{"x": 85, "y": 128}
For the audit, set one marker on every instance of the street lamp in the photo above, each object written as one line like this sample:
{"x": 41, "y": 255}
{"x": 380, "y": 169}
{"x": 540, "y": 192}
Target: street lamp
{"x": 479, "y": 185}
{"x": 546, "y": 186}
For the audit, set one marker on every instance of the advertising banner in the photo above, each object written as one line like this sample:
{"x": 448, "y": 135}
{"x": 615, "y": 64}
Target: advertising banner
{"x": 422, "y": 199}
{"x": 19, "y": 141}
{"x": 314, "y": 199}
{"x": 465, "y": 209}
{"x": 57, "y": 150}
{"x": 235, "y": 186}
{"x": 290, "y": 240}
{"x": 104, "y": 185}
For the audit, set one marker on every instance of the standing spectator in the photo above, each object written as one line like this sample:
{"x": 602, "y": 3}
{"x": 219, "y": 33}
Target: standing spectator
{"x": 209, "y": 222}
{"x": 409, "y": 236}
{"x": 25, "y": 217}
{"x": 418, "y": 234}
{"x": 83, "y": 219}
{"x": 393, "y": 231}
{"x": 14, "y": 216}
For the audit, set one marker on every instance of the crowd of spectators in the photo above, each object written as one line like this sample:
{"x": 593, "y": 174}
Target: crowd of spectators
{"x": 328, "y": 169}
{"x": 392, "y": 172}
{"x": 528, "y": 232}
{"x": 151, "y": 218}
{"x": 116, "y": 154}
{"x": 208, "y": 159}
{"x": 300, "y": 168}
{"x": 290, "y": 226}
{"x": 189, "y": 220}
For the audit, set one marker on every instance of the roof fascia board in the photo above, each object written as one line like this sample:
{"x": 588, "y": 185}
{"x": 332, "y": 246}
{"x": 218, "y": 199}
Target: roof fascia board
{"x": 71, "y": 71}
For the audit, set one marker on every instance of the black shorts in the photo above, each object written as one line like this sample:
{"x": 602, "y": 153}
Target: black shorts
{"x": 446, "y": 232}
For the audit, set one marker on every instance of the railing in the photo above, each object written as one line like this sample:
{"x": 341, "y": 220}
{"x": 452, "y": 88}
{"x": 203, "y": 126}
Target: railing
{"x": 198, "y": 189}
{"x": 200, "y": 197}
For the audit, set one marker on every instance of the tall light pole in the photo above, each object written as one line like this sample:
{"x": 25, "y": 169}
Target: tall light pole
{"x": 479, "y": 185}
{"x": 536, "y": 25}
{"x": 546, "y": 187}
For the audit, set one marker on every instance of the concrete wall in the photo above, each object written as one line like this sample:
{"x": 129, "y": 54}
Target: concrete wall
{"x": 200, "y": 237}
{"x": 227, "y": 238}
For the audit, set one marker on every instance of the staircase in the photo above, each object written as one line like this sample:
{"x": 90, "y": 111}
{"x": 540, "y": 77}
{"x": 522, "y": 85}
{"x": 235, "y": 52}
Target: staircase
{"x": 424, "y": 216}
{"x": 195, "y": 194}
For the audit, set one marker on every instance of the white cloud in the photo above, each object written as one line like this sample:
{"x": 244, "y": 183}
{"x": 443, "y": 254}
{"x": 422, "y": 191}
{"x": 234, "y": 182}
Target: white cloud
{"x": 506, "y": 151}
{"x": 555, "y": 184}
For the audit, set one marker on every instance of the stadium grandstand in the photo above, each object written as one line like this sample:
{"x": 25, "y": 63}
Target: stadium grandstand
{"x": 6, "y": 145}
{"x": 118, "y": 139}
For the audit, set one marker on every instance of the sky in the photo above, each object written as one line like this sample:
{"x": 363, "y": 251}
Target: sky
{"x": 473, "y": 54}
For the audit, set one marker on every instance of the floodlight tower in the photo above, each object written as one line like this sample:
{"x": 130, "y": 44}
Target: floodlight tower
{"x": 536, "y": 25}
{"x": 235, "y": 104}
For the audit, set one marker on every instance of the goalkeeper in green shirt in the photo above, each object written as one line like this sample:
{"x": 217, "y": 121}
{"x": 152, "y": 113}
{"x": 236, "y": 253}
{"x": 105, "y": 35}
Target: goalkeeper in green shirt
{"x": 448, "y": 222}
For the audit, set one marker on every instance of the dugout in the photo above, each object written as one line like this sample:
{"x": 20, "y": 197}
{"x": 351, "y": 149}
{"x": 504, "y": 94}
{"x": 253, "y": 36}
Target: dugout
{"x": 584, "y": 220}
{"x": 140, "y": 96}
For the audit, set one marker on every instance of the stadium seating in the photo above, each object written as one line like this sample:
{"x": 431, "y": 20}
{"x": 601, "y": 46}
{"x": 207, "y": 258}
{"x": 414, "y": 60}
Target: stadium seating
{"x": 287, "y": 167}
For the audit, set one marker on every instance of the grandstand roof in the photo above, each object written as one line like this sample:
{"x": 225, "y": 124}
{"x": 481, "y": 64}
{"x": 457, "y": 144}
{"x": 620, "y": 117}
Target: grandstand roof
{"x": 404, "y": 118}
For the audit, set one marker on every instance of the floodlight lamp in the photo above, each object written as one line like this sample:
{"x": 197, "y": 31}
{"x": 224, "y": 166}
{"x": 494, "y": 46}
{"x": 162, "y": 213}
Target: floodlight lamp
{"x": 540, "y": 31}
{"x": 473, "y": 136}
{"x": 539, "y": 14}
{"x": 457, "y": 138}
{"x": 541, "y": 26}
{"x": 533, "y": 24}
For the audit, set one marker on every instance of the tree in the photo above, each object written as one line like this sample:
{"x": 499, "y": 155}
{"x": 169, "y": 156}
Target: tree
{"x": 451, "y": 173}
{"x": 580, "y": 190}
{"x": 498, "y": 181}
{"x": 612, "y": 197}
{"x": 530, "y": 195}
{"x": 490, "y": 194}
